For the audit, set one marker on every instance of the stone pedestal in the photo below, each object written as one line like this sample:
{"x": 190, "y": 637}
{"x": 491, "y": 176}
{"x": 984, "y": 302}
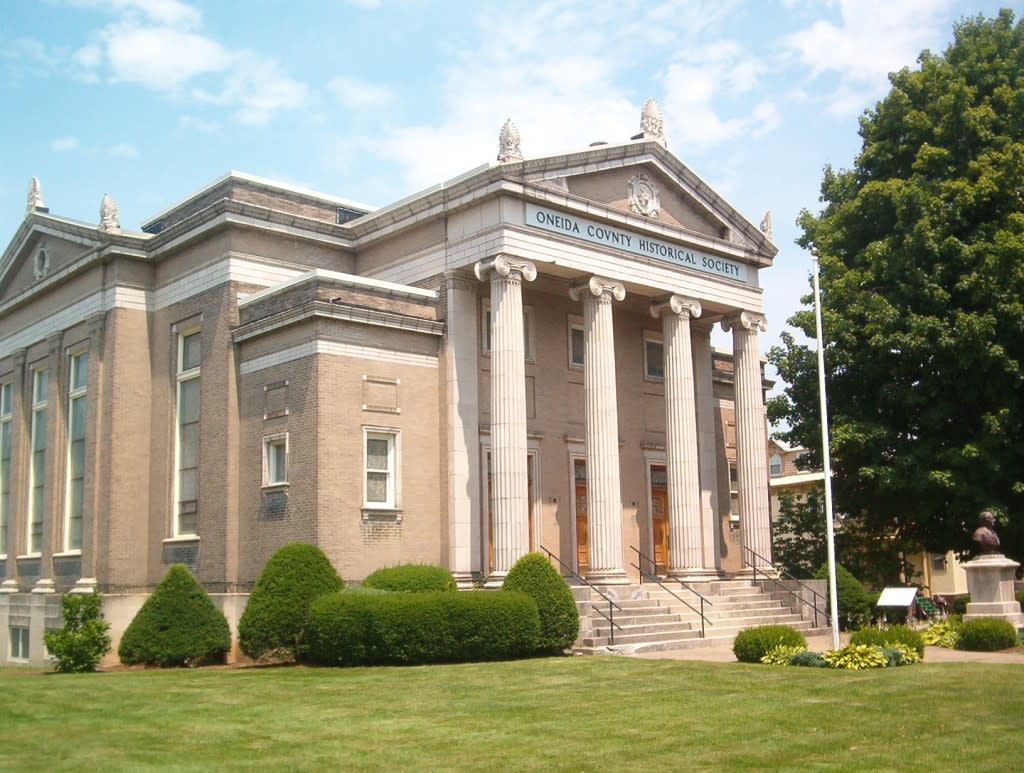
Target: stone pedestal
{"x": 990, "y": 583}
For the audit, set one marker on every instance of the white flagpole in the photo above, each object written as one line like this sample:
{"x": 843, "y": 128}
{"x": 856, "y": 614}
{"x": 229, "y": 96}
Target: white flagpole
{"x": 826, "y": 460}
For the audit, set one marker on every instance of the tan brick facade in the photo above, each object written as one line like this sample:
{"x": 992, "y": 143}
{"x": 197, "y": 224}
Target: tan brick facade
{"x": 327, "y": 357}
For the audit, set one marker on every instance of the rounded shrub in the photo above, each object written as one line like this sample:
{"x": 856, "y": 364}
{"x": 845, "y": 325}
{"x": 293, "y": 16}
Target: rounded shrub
{"x": 408, "y": 628}
{"x": 177, "y": 626}
{"x": 274, "y": 621}
{"x": 890, "y": 635}
{"x": 80, "y": 644}
{"x": 412, "y": 578}
{"x": 855, "y": 603}
{"x": 960, "y": 604}
{"x": 534, "y": 575}
{"x": 808, "y": 659}
{"x": 752, "y": 644}
{"x": 987, "y": 634}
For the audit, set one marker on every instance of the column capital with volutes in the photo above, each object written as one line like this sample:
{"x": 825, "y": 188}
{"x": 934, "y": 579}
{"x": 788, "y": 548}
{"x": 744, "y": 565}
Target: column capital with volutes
{"x": 676, "y": 304}
{"x": 597, "y": 286}
{"x": 746, "y": 320}
{"x": 506, "y": 267}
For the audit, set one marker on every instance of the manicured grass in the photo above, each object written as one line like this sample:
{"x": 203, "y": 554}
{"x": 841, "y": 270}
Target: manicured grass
{"x": 553, "y": 714}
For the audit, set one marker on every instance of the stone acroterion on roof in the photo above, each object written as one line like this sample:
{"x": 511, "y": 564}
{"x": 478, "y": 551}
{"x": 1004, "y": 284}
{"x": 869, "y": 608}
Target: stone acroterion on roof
{"x": 35, "y": 197}
{"x": 508, "y": 143}
{"x": 110, "y": 220}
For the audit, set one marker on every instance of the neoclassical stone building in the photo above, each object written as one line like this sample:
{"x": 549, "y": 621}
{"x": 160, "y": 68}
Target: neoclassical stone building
{"x": 517, "y": 358}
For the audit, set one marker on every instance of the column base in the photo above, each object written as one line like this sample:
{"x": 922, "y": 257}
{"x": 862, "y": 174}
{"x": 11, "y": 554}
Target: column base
{"x": 495, "y": 580}
{"x": 9, "y": 586}
{"x": 84, "y": 585}
{"x": 694, "y": 575}
{"x": 44, "y": 585}
{"x": 609, "y": 577}
{"x": 747, "y": 573}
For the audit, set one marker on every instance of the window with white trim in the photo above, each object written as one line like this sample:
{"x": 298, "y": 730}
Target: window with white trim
{"x": 6, "y": 394}
{"x": 19, "y": 642}
{"x": 575, "y": 342}
{"x": 654, "y": 357}
{"x": 380, "y": 466}
{"x": 37, "y": 464}
{"x": 75, "y": 495}
{"x": 186, "y": 479}
{"x": 275, "y": 460}
{"x": 775, "y": 466}
{"x": 528, "y": 328}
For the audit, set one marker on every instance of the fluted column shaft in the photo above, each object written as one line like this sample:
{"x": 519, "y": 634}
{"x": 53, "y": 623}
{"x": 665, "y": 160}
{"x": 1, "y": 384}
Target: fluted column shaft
{"x": 751, "y": 437}
{"x": 711, "y": 524}
{"x": 604, "y": 493}
{"x": 510, "y": 485}
{"x": 684, "y": 507}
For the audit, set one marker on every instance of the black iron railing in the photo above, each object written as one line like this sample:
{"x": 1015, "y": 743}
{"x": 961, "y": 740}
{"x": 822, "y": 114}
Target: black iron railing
{"x": 612, "y": 606}
{"x": 644, "y": 574}
{"x": 770, "y": 576}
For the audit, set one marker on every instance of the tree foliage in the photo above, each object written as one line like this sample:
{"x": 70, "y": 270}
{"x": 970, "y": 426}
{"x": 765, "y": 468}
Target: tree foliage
{"x": 80, "y": 644}
{"x": 922, "y": 273}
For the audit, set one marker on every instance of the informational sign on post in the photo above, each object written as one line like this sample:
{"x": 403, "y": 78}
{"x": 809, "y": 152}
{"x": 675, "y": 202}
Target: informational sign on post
{"x": 897, "y": 597}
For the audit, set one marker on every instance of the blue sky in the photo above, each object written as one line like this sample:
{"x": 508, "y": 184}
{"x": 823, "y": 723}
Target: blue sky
{"x": 371, "y": 100}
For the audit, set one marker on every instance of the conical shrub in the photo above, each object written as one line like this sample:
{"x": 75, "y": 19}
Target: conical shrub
{"x": 534, "y": 575}
{"x": 177, "y": 626}
{"x": 274, "y": 621}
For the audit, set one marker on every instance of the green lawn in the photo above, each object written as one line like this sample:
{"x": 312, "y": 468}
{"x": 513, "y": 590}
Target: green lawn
{"x": 609, "y": 713}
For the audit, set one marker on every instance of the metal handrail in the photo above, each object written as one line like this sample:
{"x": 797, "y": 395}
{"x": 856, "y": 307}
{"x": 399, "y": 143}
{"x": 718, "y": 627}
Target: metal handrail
{"x": 610, "y": 617}
{"x": 663, "y": 586}
{"x": 784, "y": 573}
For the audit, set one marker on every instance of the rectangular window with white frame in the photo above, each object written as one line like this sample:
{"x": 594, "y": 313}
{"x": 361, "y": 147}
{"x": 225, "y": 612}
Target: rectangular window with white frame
{"x": 186, "y": 479}
{"x": 78, "y": 383}
{"x": 275, "y": 460}
{"x": 19, "y": 643}
{"x": 37, "y": 463}
{"x": 381, "y": 490}
{"x": 6, "y": 413}
{"x": 654, "y": 357}
{"x": 575, "y": 342}
{"x": 529, "y": 347}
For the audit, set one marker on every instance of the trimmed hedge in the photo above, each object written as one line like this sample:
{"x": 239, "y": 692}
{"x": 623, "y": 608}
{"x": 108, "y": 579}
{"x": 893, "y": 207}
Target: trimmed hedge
{"x": 349, "y": 629}
{"x": 752, "y": 644}
{"x": 534, "y": 575}
{"x": 887, "y": 637}
{"x": 177, "y": 626}
{"x": 987, "y": 634}
{"x": 274, "y": 621}
{"x": 412, "y": 578}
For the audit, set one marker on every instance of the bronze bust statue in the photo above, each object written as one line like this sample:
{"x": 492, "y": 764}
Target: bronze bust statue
{"x": 985, "y": 536}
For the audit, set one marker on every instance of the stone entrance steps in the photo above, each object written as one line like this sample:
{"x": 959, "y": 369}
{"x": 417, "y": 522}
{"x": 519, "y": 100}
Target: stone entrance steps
{"x": 651, "y": 619}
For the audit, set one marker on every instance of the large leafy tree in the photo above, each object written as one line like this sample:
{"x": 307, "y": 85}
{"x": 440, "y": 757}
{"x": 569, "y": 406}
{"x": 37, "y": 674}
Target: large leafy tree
{"x": 922, "y": 273}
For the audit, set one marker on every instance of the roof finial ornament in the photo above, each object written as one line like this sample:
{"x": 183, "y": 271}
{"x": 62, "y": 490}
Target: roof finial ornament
{"x": 652, "y": 125}
{"x": 766, "y": 225}
{"x": 508, "y": 143}
{"x": 109, "y": 217}
{"x": 35, "y": 197}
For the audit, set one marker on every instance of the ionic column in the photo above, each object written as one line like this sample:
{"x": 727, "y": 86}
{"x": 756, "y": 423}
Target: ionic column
{"x": 508, "y": 410}
{"x": 707, "y": 452}
{"x": 751, "y": 436}
{"x": 604, "y": 494}
{"x": 685, "y": 559}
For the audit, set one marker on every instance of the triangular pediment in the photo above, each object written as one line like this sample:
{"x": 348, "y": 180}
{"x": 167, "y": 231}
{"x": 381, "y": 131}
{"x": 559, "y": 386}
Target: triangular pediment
{"x": 645, "y": 180}
{"x": 39, "y": 250}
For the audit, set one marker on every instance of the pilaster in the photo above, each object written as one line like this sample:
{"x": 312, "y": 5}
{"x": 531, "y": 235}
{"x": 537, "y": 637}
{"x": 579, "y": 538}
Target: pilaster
{"x": 462, "y": 391}
{"x": 604, "y": 493}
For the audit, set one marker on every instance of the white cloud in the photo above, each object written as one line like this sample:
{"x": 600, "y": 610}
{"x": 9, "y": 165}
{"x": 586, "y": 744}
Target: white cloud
{"x": 124, "y": 150}
{"x": 367, "y": 4}
{"x": 358, "y": 95}
{"x": 192, "y": 123}
{"x": 872, "y": 39}
{"x": 560, "y": 96}
{"x": 161, "y": 57}
{"x": 158, "y": 45}
{"x": 64, "y": 144}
